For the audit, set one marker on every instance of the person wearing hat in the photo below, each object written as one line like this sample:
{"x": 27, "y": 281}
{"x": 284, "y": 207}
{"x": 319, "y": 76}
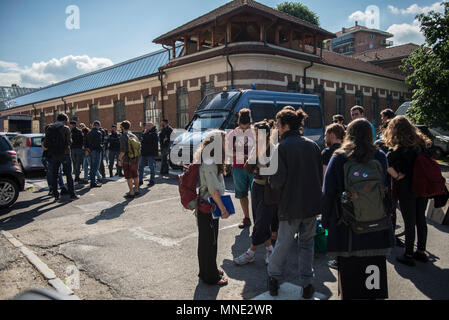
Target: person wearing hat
{"x": 76, "y": 149}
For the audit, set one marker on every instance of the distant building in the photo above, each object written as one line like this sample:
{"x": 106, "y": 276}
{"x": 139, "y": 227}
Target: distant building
{"x": 358, "y": 39}
{"x": 388, "y": 58}
{"x": 7, "y": 93}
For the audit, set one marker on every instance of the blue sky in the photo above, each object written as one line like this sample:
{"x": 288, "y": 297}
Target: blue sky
{"x": 37, "y": 49}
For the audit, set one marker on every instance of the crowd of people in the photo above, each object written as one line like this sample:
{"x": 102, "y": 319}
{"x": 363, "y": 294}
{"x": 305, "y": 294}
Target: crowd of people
{"x": 361, "y": 176}
{"x": 70, "y": 148}
{"x": 353, "y": 186}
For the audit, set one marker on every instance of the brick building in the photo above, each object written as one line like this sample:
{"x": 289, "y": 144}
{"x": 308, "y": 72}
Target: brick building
{"x": 234, "y": 46}
{"x": 388, "y": 58}
{"x": 358, "y": 39}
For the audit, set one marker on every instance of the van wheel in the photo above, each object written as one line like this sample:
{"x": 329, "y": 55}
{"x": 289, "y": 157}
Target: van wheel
{"x": 9, "y": 192}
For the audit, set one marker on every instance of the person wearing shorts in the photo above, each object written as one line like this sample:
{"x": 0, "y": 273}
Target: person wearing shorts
{"x": 241, "y": 140}
{"x": 130, "y": 166}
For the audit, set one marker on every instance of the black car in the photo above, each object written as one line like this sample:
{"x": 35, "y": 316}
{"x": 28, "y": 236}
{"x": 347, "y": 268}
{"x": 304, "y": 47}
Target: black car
{"x": 12, "y": 179}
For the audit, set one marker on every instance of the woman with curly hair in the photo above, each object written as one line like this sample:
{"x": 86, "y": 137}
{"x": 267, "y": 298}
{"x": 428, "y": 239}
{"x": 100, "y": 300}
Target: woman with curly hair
{"x": 405, "y": 142}
{"x": 211, "y": 185}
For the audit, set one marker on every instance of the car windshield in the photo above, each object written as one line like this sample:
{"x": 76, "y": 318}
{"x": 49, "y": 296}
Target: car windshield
{"x": 206, "y": 121}
{"x": 222, "y": 100}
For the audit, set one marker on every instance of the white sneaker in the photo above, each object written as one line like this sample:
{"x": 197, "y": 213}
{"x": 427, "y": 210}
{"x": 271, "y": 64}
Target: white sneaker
{"x": 245, "y": 258}
{"x": 267, "y": 256}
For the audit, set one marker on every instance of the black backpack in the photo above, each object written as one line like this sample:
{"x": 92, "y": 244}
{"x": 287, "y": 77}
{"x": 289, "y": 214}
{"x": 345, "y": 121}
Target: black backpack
{"x": 55, "y": 140}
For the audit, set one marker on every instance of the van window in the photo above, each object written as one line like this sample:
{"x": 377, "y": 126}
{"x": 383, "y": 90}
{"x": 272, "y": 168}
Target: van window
{"x": 314, "y": 119}
{"x": 282, "y": 105}
{"x": 4, "y": 144}
{"x": 261, "y": 111}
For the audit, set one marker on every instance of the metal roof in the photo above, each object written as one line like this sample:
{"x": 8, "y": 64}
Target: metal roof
{"x": 123, "y": 72}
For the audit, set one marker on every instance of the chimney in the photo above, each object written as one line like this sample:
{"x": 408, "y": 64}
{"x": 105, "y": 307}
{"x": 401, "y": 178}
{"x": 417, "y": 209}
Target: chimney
{"x": 343, "y": 30}
{"x": 356, "y": 23}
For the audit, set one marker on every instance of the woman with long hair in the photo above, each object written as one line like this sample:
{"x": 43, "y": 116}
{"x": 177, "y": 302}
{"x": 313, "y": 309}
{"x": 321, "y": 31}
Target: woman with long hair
{"x": 263, "y": 205}
{"x": 405, "y": 142}
{"x": 353, "y": 250}
{"x": 211, "y": 185}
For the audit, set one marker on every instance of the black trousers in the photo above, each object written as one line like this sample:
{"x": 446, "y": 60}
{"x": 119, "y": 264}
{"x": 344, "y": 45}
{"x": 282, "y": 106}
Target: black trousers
{"x": 413, "y": 211}
{"x": 264, "y": 216}
{"x": 207, "y": 247}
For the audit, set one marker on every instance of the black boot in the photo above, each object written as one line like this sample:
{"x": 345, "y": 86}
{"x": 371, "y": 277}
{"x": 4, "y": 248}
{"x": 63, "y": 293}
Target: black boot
{"x": 110, "y": 173}
{"x": 273, "y": 286}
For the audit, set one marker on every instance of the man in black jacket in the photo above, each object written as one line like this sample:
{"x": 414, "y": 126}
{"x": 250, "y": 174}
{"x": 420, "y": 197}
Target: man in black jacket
{"x": 114, "y": 151}
{"x": 94, "y": 148}
{"x": 299, "y": 177}
{"x": 164, "y": 137}
{"x": 77, "y": 150}
{"x": 149, "y": 152}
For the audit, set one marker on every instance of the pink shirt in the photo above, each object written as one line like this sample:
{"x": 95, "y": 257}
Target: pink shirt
{"x": 235, "y": 139}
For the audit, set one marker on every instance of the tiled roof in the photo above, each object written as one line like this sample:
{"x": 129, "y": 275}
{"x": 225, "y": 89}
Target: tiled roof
{"x": 387, "y": 53}
{"x": 123, "y": 72}
{"x": 341, "y": 61}
{"x": 234, "y": 6}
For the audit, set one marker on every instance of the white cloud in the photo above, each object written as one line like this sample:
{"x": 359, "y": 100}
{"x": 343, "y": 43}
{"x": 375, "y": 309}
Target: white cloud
{"x": 416, "y": 9}
{"x": 47, "y": 72}
{"x": 406, "y": 33}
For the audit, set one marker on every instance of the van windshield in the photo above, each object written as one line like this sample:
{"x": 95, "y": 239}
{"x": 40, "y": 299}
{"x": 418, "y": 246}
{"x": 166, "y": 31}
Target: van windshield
{"x": 222, "y": 100}
{"x": 206, "y": 121}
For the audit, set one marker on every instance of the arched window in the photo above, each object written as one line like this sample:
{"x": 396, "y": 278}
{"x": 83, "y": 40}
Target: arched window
{"x": 93, "y": 113}
{"x": 119, "y": 111}
{"x": 182, "y": 96}
{"x": 340, "y": 103}
{"x": 151, "y": 113}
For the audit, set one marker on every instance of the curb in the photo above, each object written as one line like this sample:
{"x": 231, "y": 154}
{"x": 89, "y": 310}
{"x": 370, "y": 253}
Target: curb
{"x": 48, "y": 273}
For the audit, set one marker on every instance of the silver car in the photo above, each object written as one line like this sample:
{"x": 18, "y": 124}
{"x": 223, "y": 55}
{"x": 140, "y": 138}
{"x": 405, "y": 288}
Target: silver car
{"x": 29, "y": 151}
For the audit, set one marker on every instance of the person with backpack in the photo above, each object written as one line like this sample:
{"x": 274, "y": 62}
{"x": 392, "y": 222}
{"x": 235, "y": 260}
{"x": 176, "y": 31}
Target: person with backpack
{"x": 149, "y": 152}
{"x": 129, "y": 159}
{"x": 240, "y": 140}
{"x": 77, "y": 150}
{"x": 299, "y": 178}
{"x": 355, "y": 213}
{"x": 263, "y": 199}
{"x": 114, "y": 151}
{"x": 211, "y": 182}
{"x": 58, "y": 139}
{"x": 406, "y": 142}
{"x": 94, "y": 148}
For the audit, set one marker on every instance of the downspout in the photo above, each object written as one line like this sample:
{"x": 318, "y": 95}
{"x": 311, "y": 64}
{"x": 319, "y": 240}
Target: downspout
{"x": 65, "y": 105}
{"x": 305, "y": 76}
{"x": 161, "y": 79}
{"x": 232, "y": 70}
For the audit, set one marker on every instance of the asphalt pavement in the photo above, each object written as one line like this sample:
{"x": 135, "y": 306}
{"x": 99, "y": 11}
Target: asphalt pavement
{"x": 147, "y": 248}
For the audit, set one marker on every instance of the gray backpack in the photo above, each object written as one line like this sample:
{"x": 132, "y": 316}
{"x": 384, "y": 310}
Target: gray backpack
{"x": 364, "y": 202}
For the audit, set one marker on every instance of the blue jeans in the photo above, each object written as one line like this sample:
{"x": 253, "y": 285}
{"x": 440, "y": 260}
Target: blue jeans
{"x": 86, "y": 166}
{"x": 66, "y": 162}
{"x": 95, "y": 159}
{"x": 48, "y": 166}
{"x": 286, "y": 236}
{"x": 77, "y": 158}
{"x": 144, "y": 161}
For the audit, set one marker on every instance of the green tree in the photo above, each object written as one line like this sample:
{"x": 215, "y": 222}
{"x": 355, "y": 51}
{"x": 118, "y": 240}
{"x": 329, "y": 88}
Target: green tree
{"x": 300, "y": 11}
{"x": 429, "y": 67}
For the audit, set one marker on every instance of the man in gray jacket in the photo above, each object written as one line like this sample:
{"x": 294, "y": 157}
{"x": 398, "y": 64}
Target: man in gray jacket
{"x": 299, "y": 177}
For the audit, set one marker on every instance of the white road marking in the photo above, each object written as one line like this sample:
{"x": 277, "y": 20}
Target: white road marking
{"x": 289, "y": 291}
{"x": 96, "y": 206}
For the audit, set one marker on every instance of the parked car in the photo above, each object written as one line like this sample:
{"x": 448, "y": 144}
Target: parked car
{"x": 220, "y": 111}
{"x": 12, "y": 179}
{"x": 29, "y": 151}
{"x": 10, "y": 135}
{"x": 440, "y": 143}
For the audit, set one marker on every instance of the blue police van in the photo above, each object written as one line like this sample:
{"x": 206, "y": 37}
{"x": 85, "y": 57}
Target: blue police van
{"x": 220, "y": 111}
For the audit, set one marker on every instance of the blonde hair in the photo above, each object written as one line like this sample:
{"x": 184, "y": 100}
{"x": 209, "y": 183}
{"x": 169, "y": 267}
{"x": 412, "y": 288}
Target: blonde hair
{"x": 401, "y": 133}
{"x": 210, "y": 138}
